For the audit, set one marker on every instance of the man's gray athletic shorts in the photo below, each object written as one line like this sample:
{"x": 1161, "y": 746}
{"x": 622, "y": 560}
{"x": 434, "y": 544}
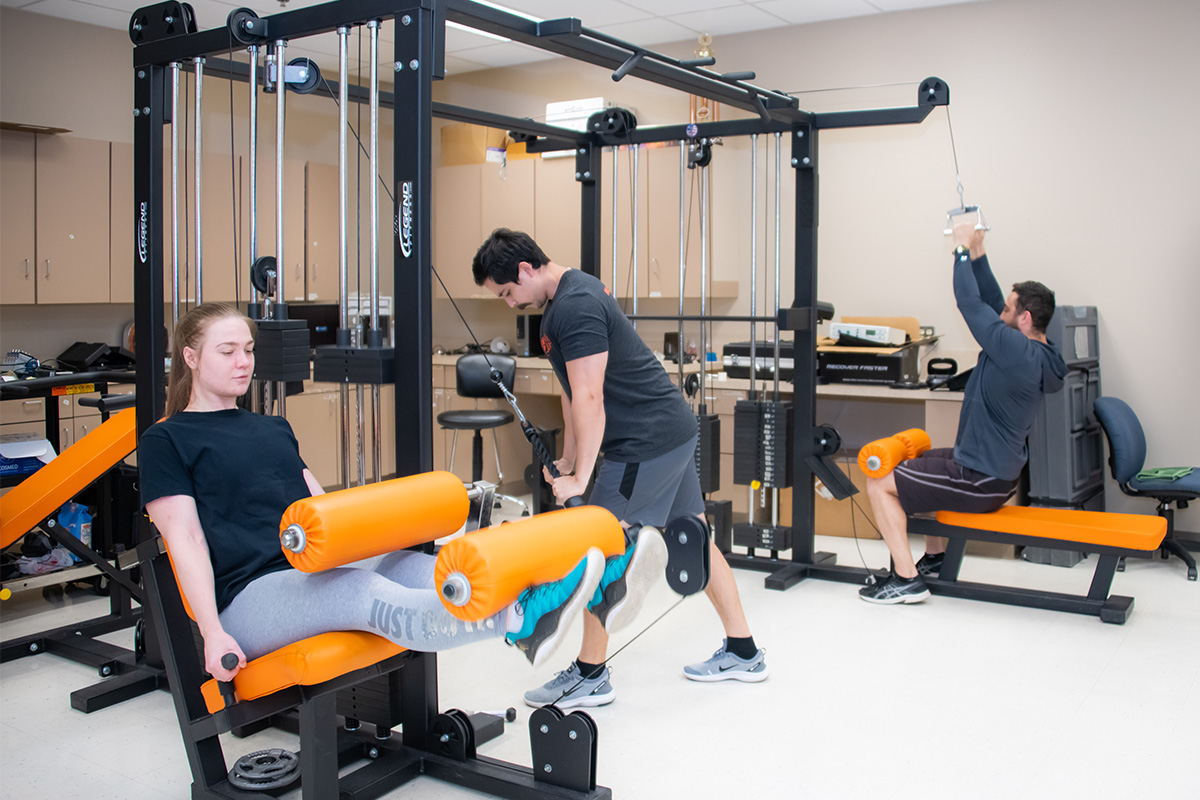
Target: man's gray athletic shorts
{"x": 934, "y": 481}
{"x": 651, "y": 492}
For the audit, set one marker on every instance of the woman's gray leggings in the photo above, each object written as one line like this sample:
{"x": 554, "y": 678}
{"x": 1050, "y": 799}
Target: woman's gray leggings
{"x": 392, "y": 595}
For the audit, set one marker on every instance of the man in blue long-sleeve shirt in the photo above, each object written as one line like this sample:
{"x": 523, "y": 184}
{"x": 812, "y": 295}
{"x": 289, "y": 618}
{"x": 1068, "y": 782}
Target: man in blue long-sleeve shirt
{"x": 1016, "y": 367}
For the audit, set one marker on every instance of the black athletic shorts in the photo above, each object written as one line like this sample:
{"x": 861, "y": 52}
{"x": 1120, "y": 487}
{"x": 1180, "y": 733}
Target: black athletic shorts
{"x": 934, "y": 481}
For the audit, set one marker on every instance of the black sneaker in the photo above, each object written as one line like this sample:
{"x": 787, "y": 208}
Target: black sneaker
{"x": 895, "y": 590}
{"x": 930, "y": 563}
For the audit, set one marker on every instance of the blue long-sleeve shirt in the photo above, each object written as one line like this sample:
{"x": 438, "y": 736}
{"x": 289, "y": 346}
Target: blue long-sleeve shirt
{"x": 1005, "y": 389}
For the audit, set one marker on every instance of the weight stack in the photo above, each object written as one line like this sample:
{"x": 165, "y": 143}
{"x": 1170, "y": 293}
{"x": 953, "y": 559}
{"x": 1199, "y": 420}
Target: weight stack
{"x": 762, "y": 537}
{"x": 708, "y": 453}
{"x": 281, "y": 350}
{"x": 762, "y": 443}
{"x": 376, "y": 701}
{"x": 373, "y": 365}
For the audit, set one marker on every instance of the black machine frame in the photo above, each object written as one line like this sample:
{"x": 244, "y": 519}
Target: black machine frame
{"x": 419, "y": 55}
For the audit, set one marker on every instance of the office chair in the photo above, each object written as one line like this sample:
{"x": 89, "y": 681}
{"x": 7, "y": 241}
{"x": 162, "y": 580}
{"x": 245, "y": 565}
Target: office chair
{"x": 473, "y": 379}
{"x": 1127, "y": 458}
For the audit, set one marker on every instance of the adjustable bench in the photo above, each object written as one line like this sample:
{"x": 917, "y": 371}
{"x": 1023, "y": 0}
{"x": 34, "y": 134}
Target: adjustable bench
{"x": 1110, "y": 536}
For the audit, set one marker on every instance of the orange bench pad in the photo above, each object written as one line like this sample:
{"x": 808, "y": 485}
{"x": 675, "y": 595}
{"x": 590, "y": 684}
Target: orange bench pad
{"x": 1129, "y": 531}
{"x": 41, "y": 494}
{"x": 307, "y": 662}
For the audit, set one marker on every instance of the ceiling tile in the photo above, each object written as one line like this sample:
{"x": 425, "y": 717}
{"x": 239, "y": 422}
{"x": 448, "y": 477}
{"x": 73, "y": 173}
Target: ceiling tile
{"x": 505, "y": 54}
{"x": 798, "y": 12}
{"x": 592, "y": 13}
{"x": 647, "y": 32}
{"x": 82, "y": 12}
{"x": 728, "y": 20}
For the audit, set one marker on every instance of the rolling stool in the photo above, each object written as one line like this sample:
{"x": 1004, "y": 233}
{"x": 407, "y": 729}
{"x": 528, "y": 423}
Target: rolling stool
{"x": 473, "y": 379}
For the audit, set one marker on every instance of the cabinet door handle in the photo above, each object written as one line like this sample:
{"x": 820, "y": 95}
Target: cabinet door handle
{"x": 299, "y": 274}
{"x": 27, "y": 269}
{"x": 314, "y": 270}
{"x": 31, "y": 402}
{"x": 47, "y": 268}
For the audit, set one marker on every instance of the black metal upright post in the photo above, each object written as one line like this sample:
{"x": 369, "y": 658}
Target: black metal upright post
{"x": 587, "y": 172}
{"x": 420, "y": 33}
{"x": 149, "y": 114}
{"x": 804, "y": 397}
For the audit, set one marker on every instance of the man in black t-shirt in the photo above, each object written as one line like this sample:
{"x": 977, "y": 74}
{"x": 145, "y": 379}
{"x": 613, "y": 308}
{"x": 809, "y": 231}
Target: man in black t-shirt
{"x": 617, "y": 400}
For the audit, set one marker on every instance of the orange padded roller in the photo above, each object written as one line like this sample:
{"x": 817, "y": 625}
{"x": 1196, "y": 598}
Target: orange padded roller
{"x": 330, "y": 530}
{"x": 880, "y": 457}
{"x": 481, "y": 573}
{"x": 916, "y": 441}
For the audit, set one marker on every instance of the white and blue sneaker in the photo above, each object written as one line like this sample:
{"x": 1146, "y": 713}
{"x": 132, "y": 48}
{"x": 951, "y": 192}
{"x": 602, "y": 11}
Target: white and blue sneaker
{"x": 569, "y": 689}
{"x": 627, "y": 580}
{"x": 548, "y": 608}
{"x": 725, "y": 666}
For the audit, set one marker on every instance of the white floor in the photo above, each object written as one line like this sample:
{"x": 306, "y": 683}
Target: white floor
{"x": 947, "y": 699}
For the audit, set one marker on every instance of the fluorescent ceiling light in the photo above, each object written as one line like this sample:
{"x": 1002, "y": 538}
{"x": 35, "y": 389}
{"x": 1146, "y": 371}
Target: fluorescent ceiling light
{"x": 485, "y": 34}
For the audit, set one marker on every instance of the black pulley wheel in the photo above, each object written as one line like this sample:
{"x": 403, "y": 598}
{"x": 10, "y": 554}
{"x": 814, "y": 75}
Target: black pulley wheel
{"x": 263, "y": 275}
{"x": 244, "y": 26}
{"x": 312, "y": 75}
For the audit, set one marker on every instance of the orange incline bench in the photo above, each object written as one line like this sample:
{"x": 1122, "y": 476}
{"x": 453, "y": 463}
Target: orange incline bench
{"x": 26, "y": 507}
{"x": 1110, "y": 536}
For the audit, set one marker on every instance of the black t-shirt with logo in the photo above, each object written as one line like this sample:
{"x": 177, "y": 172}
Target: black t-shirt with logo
{"x": 646, "y": 415}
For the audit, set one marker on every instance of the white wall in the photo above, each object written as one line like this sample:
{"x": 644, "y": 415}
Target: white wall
{"x": 1075, "y": 124}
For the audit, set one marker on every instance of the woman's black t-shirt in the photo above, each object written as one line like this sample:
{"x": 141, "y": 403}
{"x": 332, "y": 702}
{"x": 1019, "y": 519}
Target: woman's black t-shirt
{"x": 243, "y": 470}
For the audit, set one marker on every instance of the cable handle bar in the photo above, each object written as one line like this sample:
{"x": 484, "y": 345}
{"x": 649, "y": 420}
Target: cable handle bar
{"x": 539, "y": 447}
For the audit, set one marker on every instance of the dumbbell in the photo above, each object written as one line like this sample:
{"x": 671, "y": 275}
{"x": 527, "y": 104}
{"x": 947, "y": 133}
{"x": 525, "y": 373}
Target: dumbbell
{"x": 881, "y": 456}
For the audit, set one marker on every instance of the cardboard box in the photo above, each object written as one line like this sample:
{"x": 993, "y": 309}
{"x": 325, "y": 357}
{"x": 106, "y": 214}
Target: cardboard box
{"x": 24, "y": 453}
{"x": 463, "y": 143}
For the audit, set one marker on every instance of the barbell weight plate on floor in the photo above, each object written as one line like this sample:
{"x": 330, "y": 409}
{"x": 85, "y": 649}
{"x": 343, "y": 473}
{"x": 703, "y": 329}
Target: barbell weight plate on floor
{"x": 265, "y": 769}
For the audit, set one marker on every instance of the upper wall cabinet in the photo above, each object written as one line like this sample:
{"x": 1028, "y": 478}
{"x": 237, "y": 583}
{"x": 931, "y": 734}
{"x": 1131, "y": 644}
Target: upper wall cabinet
{"x": 121, "y": 238}
{"x": 72, "y": 220}
{"x": 56, "y": 221}
{"x": 557, "y": 209}
{"x": 457, "y": 228}
{"x": 18, "y": 256}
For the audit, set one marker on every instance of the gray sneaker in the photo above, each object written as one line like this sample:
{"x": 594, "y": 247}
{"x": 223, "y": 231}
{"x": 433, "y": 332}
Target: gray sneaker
{"x": 725, "y": 666}
{"x": 568, "y": 689}
{"x": 627, "y": 580}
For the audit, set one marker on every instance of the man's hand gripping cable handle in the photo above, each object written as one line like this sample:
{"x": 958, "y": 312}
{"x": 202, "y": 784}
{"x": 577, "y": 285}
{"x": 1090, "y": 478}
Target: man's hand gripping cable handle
{"x": 539, "y": 447}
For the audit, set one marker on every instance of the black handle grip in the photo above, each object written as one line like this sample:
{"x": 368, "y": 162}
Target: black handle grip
{"x": 228, "y": 661}
{"x": 573, "y": 502}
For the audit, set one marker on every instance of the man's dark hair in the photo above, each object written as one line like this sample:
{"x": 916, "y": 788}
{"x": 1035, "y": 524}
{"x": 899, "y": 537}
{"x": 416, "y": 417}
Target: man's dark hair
{"x": 498, "y": 257}
{"x": 1035, "y": 298}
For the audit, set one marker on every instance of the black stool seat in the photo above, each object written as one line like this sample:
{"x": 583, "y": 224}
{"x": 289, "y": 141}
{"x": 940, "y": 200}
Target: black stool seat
{"x": 475, "y": 419}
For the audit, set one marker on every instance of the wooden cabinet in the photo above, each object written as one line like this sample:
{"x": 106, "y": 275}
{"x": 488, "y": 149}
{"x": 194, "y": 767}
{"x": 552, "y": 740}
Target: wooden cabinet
{"x": 122, "y": 218}
{"x": 660, "y": 278}
{"x": 322, "y": 239}
{"x": 557, "y": 201}
{"x": 17, "y": 231}
{"x": 315, "y": 419}
{"x": 293, "y": 219}
{"x": 72, "y": 220}
{"x": 621, "y": 285}
{"x": 457, "y": 228}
